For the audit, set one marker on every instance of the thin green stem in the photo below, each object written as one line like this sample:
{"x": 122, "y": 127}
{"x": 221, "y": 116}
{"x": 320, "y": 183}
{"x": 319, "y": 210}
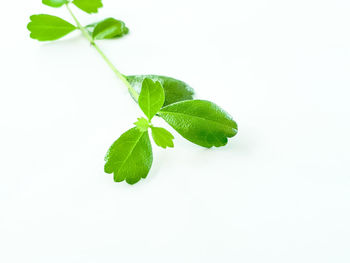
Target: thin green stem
{"x": 86, "y": 34}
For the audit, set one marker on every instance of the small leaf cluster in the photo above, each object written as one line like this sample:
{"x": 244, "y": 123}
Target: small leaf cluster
{"x": 201, "y": 122}
{"x": 130, "y": 157}
{"x": 44, "y": 27}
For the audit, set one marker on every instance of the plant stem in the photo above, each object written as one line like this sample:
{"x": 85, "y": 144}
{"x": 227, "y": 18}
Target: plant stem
{"x": 86, "y": 34}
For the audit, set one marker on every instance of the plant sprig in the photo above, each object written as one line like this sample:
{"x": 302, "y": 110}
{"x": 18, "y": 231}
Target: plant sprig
{"x": 130, "y": 157}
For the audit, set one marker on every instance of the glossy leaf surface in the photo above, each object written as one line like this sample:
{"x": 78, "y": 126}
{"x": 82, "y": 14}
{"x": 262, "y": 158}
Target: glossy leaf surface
{"x": 108, "y": 29}
{"x": 130, "y": 157}
{"x": 151, "y": 97}
{"x": 48, "y": 28}
{"x": 201, "y": 122}
{"x": 89, "y": 6}
{"x": 174, "y": 90}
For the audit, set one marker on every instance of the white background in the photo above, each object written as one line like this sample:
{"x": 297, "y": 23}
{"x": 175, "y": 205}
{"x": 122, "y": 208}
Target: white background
{"x": 278, "y": 192}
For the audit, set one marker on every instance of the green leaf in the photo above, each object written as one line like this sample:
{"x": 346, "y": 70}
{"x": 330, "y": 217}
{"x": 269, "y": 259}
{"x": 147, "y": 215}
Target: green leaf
{"x": 162, "y": 137}
{"x": 151, "y": 97}
{"x": 201, "y": 122}
{"x": 89, "y": 6}
{"x": 130, "y": 157}
{"x": 55, "y": 3}
{"x": 48, "y": 28}
{"x": 175, "y": 90}
{"x": 109, "y": 28}
{"x": 142, "y": 124}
